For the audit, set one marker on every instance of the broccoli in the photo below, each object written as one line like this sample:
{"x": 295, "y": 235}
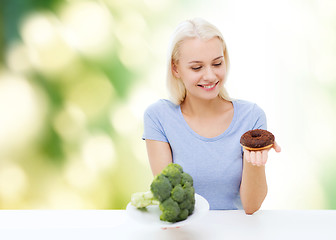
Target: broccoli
{"x": 143, "y": 199}
{"x": 173, "y": 191}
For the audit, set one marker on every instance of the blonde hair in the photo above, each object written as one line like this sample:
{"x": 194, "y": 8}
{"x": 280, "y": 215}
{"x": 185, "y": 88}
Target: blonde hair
{"x": 195, "y": 28}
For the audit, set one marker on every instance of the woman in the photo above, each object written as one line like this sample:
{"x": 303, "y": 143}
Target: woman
{"x": 200, "y": 128}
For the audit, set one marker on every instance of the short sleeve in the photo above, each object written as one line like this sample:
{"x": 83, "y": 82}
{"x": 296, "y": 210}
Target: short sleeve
{"x": 153, "y": 129}
{"x": 260, "y": 118}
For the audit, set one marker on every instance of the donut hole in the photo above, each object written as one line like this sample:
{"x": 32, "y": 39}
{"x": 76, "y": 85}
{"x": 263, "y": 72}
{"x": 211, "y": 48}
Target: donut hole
{"x": 255, "y": 134}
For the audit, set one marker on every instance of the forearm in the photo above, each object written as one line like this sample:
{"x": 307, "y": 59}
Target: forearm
{"x": 253, "y": 189}
{"x": 159, "y": 155}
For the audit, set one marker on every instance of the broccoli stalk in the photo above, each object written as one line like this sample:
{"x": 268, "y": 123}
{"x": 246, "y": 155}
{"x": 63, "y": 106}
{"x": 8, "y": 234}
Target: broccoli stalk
{"x": 173, "y": 190}
{"x": 143, "y": 199}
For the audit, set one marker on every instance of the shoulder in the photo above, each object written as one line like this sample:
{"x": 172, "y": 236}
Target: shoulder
{"x": 247, "y": 106}
{"x": 248, "y": 110}
{"x": 251, "y": 113}
{"x": 160, "y": 107}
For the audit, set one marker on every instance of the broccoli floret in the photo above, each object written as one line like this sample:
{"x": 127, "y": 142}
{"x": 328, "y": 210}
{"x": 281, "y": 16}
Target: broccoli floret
{"x": 170, "y": 210}
{"x": 185, "y": 204}
{"x": 173, "y": 190}
{"x": 183, "y": 215}
{"x": 186, "y": 178}
{"x": 178, "y": 193}
{"x": 188, "y": 205}
{"x": 189, "y": 191}
{"x": 161, "y": 187}
{"x": 176, "y": 166}
{"x": 190, "y": 195}
{"x": 173, "y": 173}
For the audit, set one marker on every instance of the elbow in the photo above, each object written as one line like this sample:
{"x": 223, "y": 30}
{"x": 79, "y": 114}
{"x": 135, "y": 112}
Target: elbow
{"x": 249, "y": 210}
{"x": 252, "y": 204}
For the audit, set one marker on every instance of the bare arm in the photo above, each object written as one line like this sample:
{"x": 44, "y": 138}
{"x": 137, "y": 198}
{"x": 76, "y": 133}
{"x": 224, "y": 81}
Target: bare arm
{"x": 253, "y": 188}
{"x": 159, "y": 155}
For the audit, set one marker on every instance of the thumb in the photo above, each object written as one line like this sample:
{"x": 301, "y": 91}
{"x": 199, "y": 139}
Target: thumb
{"x": 276, "y": 147}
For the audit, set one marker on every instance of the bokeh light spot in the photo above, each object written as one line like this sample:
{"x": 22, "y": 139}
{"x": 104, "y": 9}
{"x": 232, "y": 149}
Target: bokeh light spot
{"x": 89, "y": 27}
{"x": 123, "y": 120}
{"x": 79, "y": 175}
{"x": 98, "y": 152}
{"x": 70, "y": 122}
{"x": 47, "y": 48}
{"x": 13, "y": 182}
{"x": 22, "y": 112}
{"x": 17, "y": 58}
{"x": 92, "y": 94}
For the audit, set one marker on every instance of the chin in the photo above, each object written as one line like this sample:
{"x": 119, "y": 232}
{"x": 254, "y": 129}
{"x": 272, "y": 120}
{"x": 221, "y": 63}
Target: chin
{"x": 209, "y": 98}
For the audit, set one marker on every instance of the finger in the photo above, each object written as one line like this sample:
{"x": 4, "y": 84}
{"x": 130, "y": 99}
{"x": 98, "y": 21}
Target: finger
{"x": 247, "y": 155}
{"x": 264, "y": 156}
{"x": 276, "y": 147}
{"x": 258, "y": 158}
{"x": 253, "y": 157}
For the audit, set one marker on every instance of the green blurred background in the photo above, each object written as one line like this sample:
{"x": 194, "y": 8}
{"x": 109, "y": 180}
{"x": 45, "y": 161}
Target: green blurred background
{"x": 76, "y": 77}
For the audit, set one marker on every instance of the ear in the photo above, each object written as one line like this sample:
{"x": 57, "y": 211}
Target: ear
{"x": 175, "y": 70}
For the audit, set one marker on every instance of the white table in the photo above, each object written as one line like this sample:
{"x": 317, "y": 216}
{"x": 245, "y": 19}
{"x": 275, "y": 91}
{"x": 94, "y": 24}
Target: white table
{"x": 114, "y": 224}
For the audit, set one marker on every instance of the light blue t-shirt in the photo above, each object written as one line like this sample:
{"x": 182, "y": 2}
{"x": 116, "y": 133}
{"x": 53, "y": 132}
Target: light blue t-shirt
{"x": 214, "y": 163}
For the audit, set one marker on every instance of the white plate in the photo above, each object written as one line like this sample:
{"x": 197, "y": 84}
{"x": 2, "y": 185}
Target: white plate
{"x": 152, "y": 215}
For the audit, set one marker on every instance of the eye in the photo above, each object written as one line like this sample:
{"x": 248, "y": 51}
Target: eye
{"x": 196, "y": 68}
{"x": 217, "y": 64}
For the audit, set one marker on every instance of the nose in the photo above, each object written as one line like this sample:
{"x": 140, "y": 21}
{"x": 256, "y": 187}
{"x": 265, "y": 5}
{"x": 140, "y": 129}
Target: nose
{"x": 209, "y": 74}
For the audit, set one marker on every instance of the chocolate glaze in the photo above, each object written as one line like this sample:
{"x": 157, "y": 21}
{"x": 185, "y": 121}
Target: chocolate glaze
{"x": 257, "y": 138}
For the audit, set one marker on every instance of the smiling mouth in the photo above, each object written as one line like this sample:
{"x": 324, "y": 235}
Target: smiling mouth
{"x": 208, "y": 86}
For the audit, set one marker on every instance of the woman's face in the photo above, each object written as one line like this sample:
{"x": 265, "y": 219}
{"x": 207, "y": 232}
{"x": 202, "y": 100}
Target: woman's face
{"x": 201, "y": 67}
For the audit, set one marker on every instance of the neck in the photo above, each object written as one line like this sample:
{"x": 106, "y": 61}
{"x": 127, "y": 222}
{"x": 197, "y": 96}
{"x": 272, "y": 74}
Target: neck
{"x": 200, "y": 107}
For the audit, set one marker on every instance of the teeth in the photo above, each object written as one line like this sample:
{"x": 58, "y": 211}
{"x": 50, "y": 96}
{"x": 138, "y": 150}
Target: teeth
{"x": 211, "y": 86}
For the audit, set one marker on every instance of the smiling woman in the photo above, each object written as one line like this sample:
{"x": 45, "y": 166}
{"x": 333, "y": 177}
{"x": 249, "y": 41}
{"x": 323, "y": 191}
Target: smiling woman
{"x": 70, "y": 70}
{"x": 201, "y": 127}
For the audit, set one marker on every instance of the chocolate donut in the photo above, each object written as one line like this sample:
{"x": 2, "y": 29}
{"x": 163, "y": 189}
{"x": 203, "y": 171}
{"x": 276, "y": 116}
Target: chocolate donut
{"x": 257, "y": 139}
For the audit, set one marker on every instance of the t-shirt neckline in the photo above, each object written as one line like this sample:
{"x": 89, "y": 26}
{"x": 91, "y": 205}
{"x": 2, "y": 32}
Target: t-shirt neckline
{"x": 213, "y": 138}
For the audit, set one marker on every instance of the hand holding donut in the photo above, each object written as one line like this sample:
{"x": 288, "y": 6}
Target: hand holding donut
{"x": 256, "y": 144}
